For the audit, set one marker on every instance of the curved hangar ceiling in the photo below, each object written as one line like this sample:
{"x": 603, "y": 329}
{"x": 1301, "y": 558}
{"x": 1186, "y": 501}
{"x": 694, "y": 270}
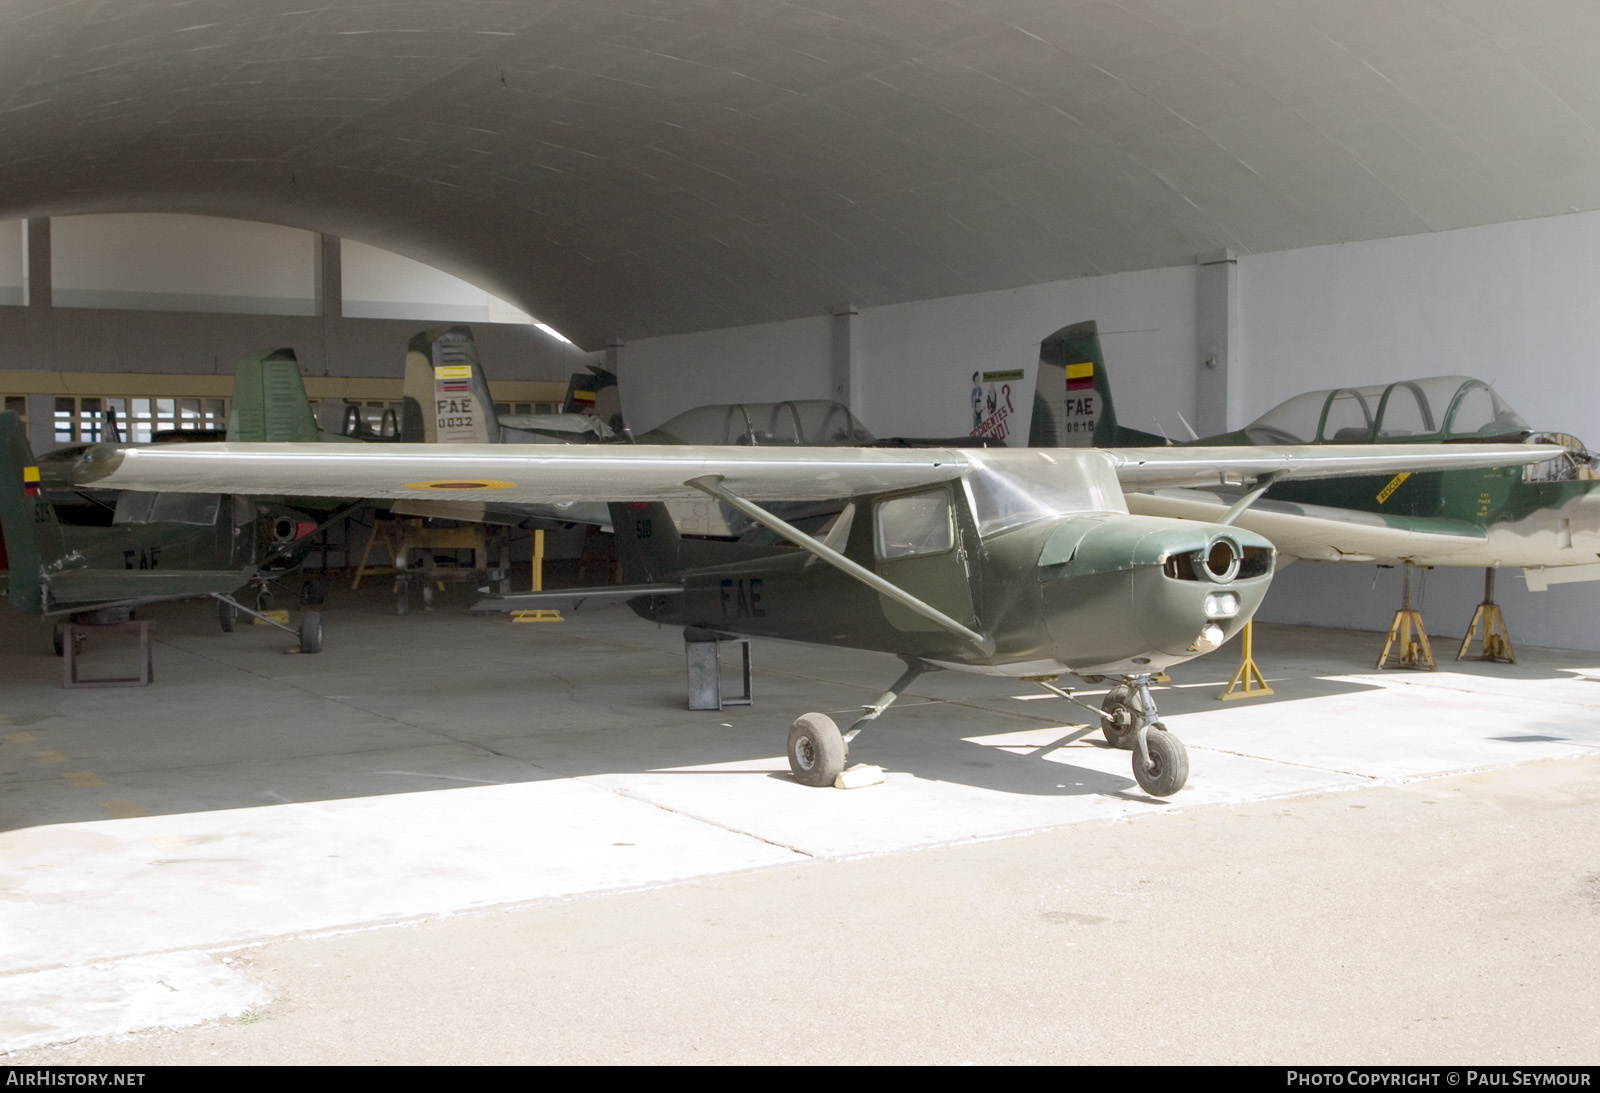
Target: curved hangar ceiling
{"x": 641, "y": 167}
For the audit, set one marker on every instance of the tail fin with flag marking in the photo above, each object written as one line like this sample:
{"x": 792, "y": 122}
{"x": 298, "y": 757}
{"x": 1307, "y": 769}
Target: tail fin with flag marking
{"x": 1072, "y": 405}
{"x": 446, "y": 395}
{"x": 28, "y": 521}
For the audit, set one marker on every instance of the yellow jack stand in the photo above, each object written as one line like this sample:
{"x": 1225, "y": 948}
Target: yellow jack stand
{"x": 1411, "y": 654}
{"x": 1247, "y": 681}
{"x": 540, "y": 614}
{"x": 1496, "y": 638}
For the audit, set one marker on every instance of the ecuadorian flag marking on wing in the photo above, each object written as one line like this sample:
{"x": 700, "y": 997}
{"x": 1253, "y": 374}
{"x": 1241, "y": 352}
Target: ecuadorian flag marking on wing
{"x": 30, "y": 481}
{"x": 461, "y": 484}
{"x": 1080, "y": 376}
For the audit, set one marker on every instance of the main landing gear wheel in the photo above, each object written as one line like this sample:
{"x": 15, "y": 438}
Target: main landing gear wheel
{"x": 227, "y": 616}
{"x": 1169, "y": 763}
{"x": 311, "y": 633}
{"x": 1124, "y": 713}
{"x": 816, "y": 750}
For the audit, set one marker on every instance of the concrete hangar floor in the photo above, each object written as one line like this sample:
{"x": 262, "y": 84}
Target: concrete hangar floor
{"x": 458, "y": 839}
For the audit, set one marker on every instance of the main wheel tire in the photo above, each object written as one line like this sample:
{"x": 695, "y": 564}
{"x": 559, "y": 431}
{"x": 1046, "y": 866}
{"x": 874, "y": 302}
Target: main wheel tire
{"x": 816, "y": 750}
{"x": 1169, "y": 760}
{"x": 311, "y": 633}
{"x": 227, "y": 616}
{"x": 427, "y": 595}
{"x": 58, "y": 638}
{"x": 1124, "y": 711}
{"x": 402, "y": 596}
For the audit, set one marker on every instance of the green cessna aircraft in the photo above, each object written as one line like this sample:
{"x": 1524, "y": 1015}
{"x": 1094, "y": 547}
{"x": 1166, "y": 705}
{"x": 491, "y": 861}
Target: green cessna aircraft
{"x": 1543, "y": 516}
{"x": 1023, "y": 563}
{"x": 154, "y": 547}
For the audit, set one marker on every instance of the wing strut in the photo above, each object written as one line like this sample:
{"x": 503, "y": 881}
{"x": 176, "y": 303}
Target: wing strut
{"x": 712, "y": 484}
{"x": 1263, "y": 484}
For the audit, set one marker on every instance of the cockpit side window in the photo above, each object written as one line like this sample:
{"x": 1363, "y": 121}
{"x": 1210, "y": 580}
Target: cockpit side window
{"x": 175, "y": 508}
{"x": 914, "y": 525}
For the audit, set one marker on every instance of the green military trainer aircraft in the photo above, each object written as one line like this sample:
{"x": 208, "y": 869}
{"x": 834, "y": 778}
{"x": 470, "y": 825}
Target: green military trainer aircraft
{"x": 154, "y": 547}
{"x": 1542, "y": 516}
{"x": 1023, "y": 562}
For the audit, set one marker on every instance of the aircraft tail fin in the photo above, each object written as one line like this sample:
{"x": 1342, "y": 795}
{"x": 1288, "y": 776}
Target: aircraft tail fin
{"x": 269, "y": 399}
{"x": 446, "y": 394}
{"x": 1072, "y": 405}
{"x": 28, "y": 522}
{"x": 647, "y": 540}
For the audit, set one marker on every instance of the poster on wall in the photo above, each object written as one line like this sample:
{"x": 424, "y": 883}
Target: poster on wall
{"x": 992, "y": 406}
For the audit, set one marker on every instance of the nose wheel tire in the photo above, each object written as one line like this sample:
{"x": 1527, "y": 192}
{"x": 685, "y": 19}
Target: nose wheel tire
{"x": 1169, "y": 763}
{"x": 1124, "y": 713}
{"x": 816, "y": 750}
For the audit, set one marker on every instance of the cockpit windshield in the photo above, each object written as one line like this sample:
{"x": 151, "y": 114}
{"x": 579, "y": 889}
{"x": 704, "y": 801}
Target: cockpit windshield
{"x": 800, "y": 423}
{"x": 1011, "y": 491}
{"x": 1439, "y": 408}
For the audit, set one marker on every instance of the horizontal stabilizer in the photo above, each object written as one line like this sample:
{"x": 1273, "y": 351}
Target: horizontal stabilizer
{"x": 69, "y": 589}
{"x": 526, "y": 601}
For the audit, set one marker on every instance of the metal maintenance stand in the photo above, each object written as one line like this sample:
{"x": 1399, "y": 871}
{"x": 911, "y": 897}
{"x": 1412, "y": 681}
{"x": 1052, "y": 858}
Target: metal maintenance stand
{"x": 1496, "y": 637}
{"x": 1412, "y": 653}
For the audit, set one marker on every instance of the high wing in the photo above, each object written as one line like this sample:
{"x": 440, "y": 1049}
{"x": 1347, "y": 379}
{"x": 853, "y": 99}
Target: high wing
{"x": 553, "y": 473}
{"x": 561, "y": 473}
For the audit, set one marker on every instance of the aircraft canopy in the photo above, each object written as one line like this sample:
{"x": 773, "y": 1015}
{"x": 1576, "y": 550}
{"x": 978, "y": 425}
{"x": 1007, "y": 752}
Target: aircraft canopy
{"x": 802, "y": 423}
{"x": 1434, "y": 409}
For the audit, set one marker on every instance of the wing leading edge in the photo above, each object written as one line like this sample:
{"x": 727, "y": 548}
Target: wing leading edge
{"x": 562, "y": 473}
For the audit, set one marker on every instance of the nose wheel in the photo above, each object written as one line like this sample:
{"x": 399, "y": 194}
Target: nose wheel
{"x": 1129, "y": 721}
{"x": 1164, "y": 768}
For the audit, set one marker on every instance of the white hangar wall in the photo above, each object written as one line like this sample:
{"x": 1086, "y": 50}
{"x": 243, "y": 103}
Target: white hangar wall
{"x": 1511, "y": 303}
{"x": 918, "y": 358}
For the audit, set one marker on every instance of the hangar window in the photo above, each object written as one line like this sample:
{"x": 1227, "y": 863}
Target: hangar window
{"x": 378, "y": 284}
{"x": 90, "y": 419}
{"x": 161, "y": 262}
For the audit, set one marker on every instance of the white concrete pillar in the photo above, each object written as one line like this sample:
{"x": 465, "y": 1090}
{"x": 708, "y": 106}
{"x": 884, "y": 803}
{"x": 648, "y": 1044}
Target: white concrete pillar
{"x": 611, "y": 361}
{"x": 329, "y": 277}
{"x": 1216, "y": 337}
{"x": 36, "y": 265}
{"x": 847, "y": 385}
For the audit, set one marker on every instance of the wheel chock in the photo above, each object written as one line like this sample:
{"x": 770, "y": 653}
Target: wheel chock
{"x": 858, "y": 776}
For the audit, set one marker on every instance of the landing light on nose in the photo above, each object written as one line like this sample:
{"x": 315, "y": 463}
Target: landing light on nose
{"x": 1222, "y": 605}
